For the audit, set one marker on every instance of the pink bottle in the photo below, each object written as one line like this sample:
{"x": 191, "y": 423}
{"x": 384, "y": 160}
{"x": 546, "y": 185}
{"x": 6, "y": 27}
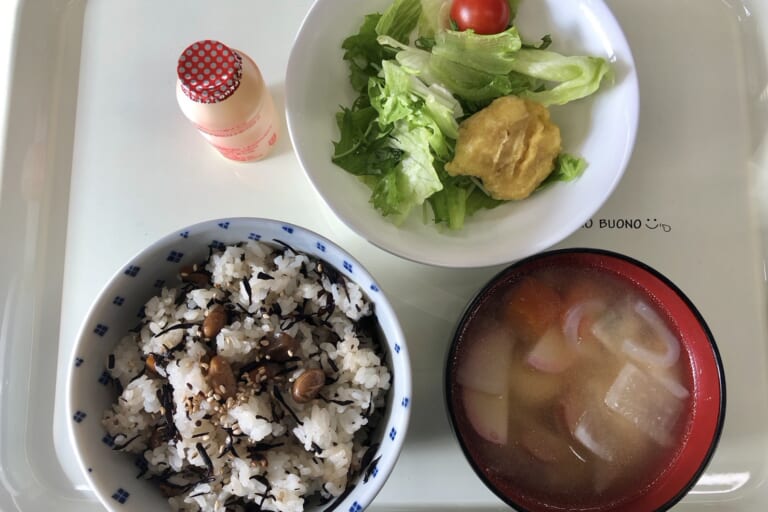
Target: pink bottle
{"x": 222, "y": 92}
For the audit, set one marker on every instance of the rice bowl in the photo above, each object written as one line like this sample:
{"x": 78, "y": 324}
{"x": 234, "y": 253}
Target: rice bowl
{"x": 283, "y": 405}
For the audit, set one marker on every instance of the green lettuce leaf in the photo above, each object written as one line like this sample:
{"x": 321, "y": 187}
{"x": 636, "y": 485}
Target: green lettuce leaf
{"x": 412, "y": 181}
{"x": 492, "y": 54}
{"x": 466, "y": 82}
{"x": 434, "y": 17}
{"x": 449, "y": 206}
{"x": 460, "y": 198}
{"x": 418, "y": 171}
{"x": 400, "y": 95}
{"x": 576, "y": 76}
{"x": 363, "y": 53}
{"x": 418, "y": 121}
{"x": 450, "y": 66}
{"x": 399, "y": 20}
{"x": 567, "y": 168}
{"x": 363, "y": 147}
{"x": 387, "y": 196}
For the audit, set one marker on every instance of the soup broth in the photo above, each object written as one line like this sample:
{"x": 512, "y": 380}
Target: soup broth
{"x": 571, "y": 388}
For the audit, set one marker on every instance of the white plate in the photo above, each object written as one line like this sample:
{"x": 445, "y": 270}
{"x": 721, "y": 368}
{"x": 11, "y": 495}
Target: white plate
{"x": 600, "y": 128}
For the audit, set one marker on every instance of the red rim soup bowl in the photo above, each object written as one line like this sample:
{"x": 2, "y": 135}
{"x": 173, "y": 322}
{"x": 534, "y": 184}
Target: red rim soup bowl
{"x": 704, "y": 415}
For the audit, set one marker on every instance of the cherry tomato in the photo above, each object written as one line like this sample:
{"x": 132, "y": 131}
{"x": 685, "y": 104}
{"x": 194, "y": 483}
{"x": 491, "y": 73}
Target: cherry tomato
{"x": 482, "y": 16}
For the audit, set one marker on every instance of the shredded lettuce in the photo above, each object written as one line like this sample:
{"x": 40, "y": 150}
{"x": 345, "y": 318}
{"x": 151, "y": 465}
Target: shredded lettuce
{"x": 399, "y": 134}
{"x": 399, "y": 20}
{"x": 416, "y": 177}
{"x": 396, "y": 99}
{"x": 416, "y": 79}
{"x": 434, "y": 17}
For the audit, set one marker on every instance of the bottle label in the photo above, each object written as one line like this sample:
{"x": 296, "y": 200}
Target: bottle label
{"x": 252, "y": 151}
{"x": 234, "y": 130}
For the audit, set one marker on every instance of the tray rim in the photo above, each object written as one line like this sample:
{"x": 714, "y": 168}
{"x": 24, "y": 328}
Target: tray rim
{"x": 8, "y": 498}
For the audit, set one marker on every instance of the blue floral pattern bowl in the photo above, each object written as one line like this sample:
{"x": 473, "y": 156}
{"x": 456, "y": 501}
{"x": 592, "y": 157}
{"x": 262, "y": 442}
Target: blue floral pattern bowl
{"x": 119, "y": 307}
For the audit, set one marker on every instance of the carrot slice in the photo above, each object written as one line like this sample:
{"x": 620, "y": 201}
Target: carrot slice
{"x": 531, "y": 307}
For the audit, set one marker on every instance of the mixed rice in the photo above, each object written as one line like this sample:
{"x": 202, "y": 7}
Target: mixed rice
{"x": 254, "y": 385}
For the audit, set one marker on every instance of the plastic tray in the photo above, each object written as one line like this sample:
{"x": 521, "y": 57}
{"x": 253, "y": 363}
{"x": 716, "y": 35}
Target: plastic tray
{"x": 98, "y": 162}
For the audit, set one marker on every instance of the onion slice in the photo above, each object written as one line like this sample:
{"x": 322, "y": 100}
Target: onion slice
{"x": 574, "y": 316}
{"x": 664, "y": 359}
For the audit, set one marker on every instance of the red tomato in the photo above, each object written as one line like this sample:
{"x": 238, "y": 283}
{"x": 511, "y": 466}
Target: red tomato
{"x": 482, "y": 16}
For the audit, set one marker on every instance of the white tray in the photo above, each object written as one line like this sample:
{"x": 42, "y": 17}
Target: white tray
{"x": 98, "y": 162}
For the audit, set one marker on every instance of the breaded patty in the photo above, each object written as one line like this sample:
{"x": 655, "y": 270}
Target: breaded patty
{"x": 511, "y": 145}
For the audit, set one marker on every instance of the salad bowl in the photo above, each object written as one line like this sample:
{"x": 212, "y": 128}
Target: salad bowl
{"x": 600, "y": 128}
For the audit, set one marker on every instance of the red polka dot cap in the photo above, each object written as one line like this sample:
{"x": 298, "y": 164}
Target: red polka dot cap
{"x": 209, "y": 71}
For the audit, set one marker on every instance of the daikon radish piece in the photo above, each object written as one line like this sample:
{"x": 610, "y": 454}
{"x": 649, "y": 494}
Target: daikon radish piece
{"x": 646, "y": 403}
{"x": 616, "y": 324}
{"x": 485, "y": 367}
{"x": 487, "y": 414}
{"x": 672, "y": 384}
{"x": 598, "y": 429}
{"x": 551, "y": 354}
{"x": 583, "y": 419}
{"x": 587, "y": 431}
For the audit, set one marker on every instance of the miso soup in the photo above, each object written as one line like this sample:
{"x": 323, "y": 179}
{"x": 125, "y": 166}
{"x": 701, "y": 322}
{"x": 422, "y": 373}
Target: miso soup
{"x": 570, "y": 386}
